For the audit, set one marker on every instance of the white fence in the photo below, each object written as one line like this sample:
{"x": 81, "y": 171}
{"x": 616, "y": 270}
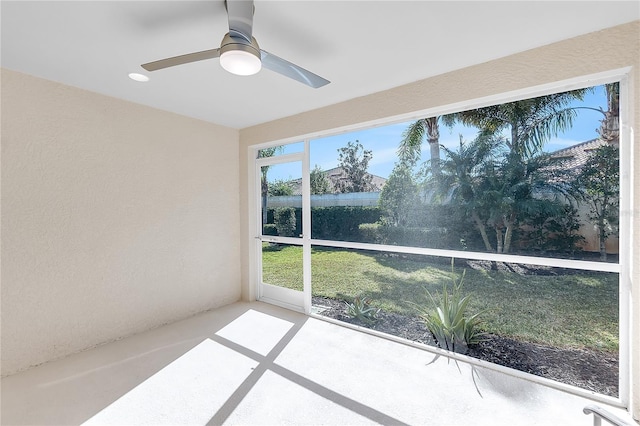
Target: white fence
{"x": 367, "y": 199}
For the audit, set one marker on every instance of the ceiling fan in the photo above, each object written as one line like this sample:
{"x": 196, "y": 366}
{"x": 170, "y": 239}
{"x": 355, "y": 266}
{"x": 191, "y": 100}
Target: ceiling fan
{"x": 239, "y": 52}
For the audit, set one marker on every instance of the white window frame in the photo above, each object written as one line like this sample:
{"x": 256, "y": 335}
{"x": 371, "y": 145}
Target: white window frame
{"x": 623, "y": 267}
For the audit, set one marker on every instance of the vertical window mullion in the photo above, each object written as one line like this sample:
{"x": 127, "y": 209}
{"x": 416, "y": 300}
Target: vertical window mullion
{"x": 306, "y": 227}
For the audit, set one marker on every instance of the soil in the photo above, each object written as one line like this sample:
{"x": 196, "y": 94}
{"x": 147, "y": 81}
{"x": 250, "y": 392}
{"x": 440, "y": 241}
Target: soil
{"x": 588, "y": 369}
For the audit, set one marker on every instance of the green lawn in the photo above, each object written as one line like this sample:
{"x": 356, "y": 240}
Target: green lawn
{"x": 570, "y": 310}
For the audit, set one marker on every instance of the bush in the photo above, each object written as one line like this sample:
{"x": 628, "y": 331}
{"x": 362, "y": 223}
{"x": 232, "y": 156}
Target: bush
{"x": 341, "y": 223}
{"x": 412, "y": 236}
{"x": 332, "y": 223}
{"x": 285, "y": 221}
{"x": 546, "y": 232}
{"x": 370, "y": 233}
{"x": 269, "y": 229}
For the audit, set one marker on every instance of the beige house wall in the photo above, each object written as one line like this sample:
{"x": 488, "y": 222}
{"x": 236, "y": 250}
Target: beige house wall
{"x": 116, "y": 218}
{"x": 594, "y": 53}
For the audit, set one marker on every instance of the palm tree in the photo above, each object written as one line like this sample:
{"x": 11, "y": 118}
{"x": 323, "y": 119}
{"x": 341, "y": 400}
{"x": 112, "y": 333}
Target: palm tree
{"x": 508, "y": 185}
{"x": 496, "y": 192}
{"x": 529, "y": 122}
{"x": 610, "y": 127}
{"x": 497, "y": 187}
{"x": 461, "y": 180}
{"x": 609, "y": 130}
{"x": 514, "y": 187}
{"x": 409, "y": 149}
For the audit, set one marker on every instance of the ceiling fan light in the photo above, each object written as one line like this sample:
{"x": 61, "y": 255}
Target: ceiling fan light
{"x": 240, "y": 62}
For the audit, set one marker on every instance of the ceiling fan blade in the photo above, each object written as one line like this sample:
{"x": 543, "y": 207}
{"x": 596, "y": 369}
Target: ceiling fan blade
{"x": 290, "y": 70}
{"x": 182, "y": 59}
{"x": 240, "y": 18}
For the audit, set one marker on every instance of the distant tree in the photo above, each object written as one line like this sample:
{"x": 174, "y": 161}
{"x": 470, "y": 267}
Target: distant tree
{"x": 280, "y": 187}
{"x": 264, "y": 184}
{"x": 399, "y": 196}
{"x": 354, "y": 161}
{"x": 600, "y": 180}
{"x": 320, "y": 183}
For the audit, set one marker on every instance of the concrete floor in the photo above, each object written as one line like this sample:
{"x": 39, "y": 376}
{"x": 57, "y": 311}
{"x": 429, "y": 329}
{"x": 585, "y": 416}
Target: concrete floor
{"x": 253, "y": 363}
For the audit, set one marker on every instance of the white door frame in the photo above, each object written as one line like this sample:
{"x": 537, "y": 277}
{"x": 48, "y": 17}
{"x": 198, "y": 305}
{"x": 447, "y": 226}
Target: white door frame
{"x": 291, "y": 299}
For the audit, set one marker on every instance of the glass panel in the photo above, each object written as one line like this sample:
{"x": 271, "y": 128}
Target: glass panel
{"x": 281, "y": 195}
{"x": 348, "y": 174}
{"x": 557, "y": 323}
{"x": 282, "y": 265}
{"x": 536, "y": 177}
{"x": 281, "y": 150}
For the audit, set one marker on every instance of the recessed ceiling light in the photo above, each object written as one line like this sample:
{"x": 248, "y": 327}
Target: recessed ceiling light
{"x": 138, "y": 77}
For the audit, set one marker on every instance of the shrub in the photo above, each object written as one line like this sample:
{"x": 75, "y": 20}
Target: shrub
{"x": 370, "y": 233}
{"x": 452, "y": 328}
{"x": 285, "y": 221}
{"x": 332, "y": 223}
{"x": 269, "y": 229}
{"x": 565, "y": 231}
{"x": 411, "y": 236}
{"x": 557, "y": 232}
{"x": 341, "y": 222}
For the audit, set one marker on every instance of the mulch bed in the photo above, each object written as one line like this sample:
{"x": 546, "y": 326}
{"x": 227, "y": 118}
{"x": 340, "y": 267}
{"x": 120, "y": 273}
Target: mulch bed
{"x": 589, "y": 369}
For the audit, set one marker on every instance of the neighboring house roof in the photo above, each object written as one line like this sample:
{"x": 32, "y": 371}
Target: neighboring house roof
{"x": 576, "y": 156}
{"x": 337, "y": 175}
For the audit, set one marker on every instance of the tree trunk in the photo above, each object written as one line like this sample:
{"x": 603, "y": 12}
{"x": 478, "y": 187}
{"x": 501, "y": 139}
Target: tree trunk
{"x": 603, "y": 241}
{"x": 499, "y": 247}
{"x": 265, "y": 191}
{"x": 483, "y": 231}
{"x": 433, "y": 137}
{"x": 515, "y": 142}
{"x": 434, "y": 149}
{"x": 610, "y": 126}
{"x": 610, "y": 129}
{"x": 508, "y": 235}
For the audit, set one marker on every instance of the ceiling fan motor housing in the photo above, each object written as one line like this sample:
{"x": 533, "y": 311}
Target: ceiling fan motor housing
{"x": 239, "y": 56}
{"x": 230, "y": 42}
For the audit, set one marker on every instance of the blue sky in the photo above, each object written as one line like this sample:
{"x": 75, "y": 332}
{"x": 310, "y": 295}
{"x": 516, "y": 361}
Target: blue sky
{"x": 383, "y": 141}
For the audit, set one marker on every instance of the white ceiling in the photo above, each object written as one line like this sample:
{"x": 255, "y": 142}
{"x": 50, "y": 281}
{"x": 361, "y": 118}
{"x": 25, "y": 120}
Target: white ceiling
{"x": 361, "y": 46}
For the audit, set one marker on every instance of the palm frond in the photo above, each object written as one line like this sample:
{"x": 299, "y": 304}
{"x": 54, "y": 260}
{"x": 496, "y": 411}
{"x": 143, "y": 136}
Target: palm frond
{"x": 411, "y": 143}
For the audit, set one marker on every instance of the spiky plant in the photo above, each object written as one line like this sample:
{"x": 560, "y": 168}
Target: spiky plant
{"x": 452, "y": 327}
{"x": 362, "y": 310}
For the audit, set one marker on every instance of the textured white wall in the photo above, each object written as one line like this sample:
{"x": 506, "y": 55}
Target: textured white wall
{"x": 116, "y": 218}
{"x": 602, "y": 51}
